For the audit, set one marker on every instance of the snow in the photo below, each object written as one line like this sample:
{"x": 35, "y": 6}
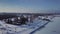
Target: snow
{"x": 29, "y": 28}
{"x": 51, "y": 28}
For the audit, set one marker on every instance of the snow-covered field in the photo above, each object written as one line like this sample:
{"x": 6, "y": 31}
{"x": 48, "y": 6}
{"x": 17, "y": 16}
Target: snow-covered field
{"x": 51, "y": 28}
{"x": 30, "y": 28}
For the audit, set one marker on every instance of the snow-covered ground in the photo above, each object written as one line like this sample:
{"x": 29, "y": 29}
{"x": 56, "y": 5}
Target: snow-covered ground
{"x": 51, "y": 28}
{"x": 32, "y": 28}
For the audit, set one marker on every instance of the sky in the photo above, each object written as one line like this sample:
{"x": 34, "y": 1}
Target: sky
{"x": 30, "y": 6}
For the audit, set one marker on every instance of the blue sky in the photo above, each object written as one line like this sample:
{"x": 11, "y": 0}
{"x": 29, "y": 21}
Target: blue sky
{"x": 30, "y": 6}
